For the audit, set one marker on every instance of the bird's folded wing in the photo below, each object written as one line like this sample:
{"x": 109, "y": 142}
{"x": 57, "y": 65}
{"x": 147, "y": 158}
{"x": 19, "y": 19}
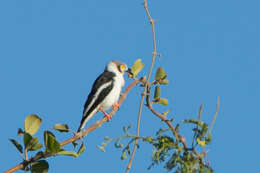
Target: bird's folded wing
{"x": 100, "y": 89}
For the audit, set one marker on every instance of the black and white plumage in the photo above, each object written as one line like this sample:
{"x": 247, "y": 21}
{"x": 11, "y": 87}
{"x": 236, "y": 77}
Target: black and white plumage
{"x": 105, "y": 91}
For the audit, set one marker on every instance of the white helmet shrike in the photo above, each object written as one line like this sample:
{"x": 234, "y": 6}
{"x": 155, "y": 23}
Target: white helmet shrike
{"x": 105, "y": 91}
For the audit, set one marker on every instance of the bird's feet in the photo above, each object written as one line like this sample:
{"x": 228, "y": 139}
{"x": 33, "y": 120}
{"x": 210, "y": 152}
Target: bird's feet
{"x": 116, "y": 106}
{"x": 106, "y": 114}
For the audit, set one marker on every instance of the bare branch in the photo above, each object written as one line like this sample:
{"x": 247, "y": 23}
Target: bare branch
{"x": 200, "y": 111}
{"x": 215, "y": 116}
{"x": 154, "y": 53}
{"x": 164, "y": 119}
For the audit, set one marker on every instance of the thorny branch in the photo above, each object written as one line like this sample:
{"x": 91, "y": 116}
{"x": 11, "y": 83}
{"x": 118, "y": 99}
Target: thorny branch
{"x": 94, "y": 126}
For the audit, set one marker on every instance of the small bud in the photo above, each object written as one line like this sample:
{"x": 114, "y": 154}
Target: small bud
{"x": 136, "y": 68}
{"x": 164, "y": 82}
{"x": 157, "y": 92}
{"x": 163, "y": 101}
{"x": 160, "y": 74}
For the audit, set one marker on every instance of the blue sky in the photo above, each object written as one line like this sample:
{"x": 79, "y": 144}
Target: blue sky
{"x": 52, "y": 50}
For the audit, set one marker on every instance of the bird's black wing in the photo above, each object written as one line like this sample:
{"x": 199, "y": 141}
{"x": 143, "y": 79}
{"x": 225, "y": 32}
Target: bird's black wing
{"x": 105, "y": 78}
{"x": 101, "y": 80}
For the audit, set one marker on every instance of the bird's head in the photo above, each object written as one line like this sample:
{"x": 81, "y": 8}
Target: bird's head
{"x": 118, "y": 67}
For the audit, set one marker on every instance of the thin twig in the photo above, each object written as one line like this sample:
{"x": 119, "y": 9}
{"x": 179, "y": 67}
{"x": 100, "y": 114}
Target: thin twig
{"x": 25, "y": 154}
{"x": 200, "y": 111}
{"x": 145, "y": 88}
{"x": 215, "y": 116}
{"x": 94, "y": 126}
{"x": 137, "y": 133}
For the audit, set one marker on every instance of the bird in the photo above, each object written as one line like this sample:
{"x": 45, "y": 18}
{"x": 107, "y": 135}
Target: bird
{"x": 105, "y": 91}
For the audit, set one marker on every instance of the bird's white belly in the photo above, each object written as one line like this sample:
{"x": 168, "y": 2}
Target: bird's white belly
{"x": 113, "y": 96}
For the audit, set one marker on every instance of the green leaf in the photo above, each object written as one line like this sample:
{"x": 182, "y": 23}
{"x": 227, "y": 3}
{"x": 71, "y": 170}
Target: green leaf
{"x": 193, "y": 121}
{"x": 163, "y": 101}
{"x": 61, "y": 127}
{"x": 154, "y": 155}
{"x": 201, "y": 143}
{"x": 148, "y": 139}
{"x": 127, "y": 148}
{"x": 160, "y": 74}
{"x": 208, "y": 139}
{"x": 51, "y": 143}
{"x": 34, "y": 144}
{"x": 107, "y": 138}
{"x": 136, "y": 68}
{"x": 32, "y": 123}
{"x": 46, "y": 135}
{"x": 164, "y": 82}
{"x": 39, "y": 154}
{"x": 101, "y": 148}
{"x": 68, "y": 153}
{"x": 17, "y": 145}
{"x": 123, "y": 156}
{"x": 104, "y": 144}
{"x": 40, "y": 166}
{"x": 36, "y": 147}
{"x": 81, "y": 149}
{"x": 20, "y": 132}
{"x": 157, "y": 92}
{"x": 27, "y": 139}
{"x": 204, "y": 129}
{"x": 161, "y": 131}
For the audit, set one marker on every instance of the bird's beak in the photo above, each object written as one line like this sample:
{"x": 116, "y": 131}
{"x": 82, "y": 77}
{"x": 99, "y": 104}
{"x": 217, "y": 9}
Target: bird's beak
{"x": 129, "y": 71}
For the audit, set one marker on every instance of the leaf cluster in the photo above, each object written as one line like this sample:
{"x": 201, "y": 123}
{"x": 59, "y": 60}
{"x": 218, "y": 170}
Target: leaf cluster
{"x": 31, "y": 143}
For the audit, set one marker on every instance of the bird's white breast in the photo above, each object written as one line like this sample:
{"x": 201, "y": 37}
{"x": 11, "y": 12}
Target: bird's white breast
{"x": 113, "y": 96}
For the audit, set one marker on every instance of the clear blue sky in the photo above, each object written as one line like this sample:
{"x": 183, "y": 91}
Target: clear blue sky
{"x": 52, "y": 50}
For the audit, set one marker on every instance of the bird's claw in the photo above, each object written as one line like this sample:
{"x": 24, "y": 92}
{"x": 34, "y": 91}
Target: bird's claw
{"x": 107, "y": 116}
{"x": 116, "y": 106}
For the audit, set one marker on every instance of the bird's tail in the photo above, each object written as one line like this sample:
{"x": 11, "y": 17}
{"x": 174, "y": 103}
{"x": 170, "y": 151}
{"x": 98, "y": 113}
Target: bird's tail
{"x": 85, "y": 119}
{"x": 82, "y": 123}
{"x": 79, "y": 129}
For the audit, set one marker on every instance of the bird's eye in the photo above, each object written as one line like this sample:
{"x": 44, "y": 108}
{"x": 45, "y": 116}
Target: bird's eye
{"x": 122, "y": 67}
